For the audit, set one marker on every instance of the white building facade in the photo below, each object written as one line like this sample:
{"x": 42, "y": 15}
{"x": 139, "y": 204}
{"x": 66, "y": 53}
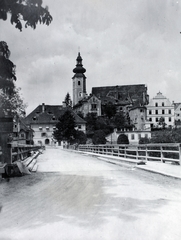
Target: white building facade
{"x": 160, "y": 107}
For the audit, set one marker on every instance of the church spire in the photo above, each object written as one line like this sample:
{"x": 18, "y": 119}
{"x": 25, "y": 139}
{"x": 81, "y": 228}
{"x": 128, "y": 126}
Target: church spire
{"x": 79, "y": 67}
{"x": 79, "y": 81}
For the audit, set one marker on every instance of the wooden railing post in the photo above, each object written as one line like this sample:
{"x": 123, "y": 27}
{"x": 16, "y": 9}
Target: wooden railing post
{"x": 146, "y": 153}
{"x": 6, "y": 131}
{"x": 161, "y": 154}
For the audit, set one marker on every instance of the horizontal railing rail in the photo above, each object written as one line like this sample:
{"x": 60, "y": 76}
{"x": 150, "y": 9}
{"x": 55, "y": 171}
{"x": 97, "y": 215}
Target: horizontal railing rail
{"x": 156, "y": 152}
{"x": 22, "y": 151}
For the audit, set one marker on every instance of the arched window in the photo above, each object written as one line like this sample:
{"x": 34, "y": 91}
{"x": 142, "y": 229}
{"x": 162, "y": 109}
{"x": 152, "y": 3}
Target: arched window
{"x": 78, "y": 83}
{"x": 47, "y": 141}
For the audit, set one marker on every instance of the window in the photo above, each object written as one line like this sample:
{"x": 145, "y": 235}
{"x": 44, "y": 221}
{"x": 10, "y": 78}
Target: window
{"x": 141, "y": 110}
{"x": 79, "y": 126}
{"x": 80, "y": 94}
{"x": 169, "y": 111}
{"x": 93, "y": 106}
{"x": 43, "y": 134}
{"x": 132, "y": 136}
{"x": 139, "y": 136}
{"x": 40, "y": 128}
{"x": 146, "y": 135}
{"x": 163, "y": 111}
{"x": 78, "y": 83}
{"x": 169, "y": 119}
{"x": 47, "y": 128}
{"x": 156, "y": 119}
{"x": 150, "y": 112}
{"x": 53, "y": 118}
{"x": 150, "y": 119}
{"x": 163, "y": 104}
{"x": 156, "y": 112}
{"x": 156, "y": 104}
{"x": 34, "y": 118}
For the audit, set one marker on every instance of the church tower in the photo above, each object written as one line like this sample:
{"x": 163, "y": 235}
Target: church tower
{"x": 79, "y": 81}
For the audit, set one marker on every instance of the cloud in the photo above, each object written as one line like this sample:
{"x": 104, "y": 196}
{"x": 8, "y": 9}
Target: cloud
{"x": 121, "y": 42}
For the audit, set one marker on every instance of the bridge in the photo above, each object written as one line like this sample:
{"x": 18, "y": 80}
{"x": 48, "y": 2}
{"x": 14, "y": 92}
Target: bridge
{"x": 79, "y": 195}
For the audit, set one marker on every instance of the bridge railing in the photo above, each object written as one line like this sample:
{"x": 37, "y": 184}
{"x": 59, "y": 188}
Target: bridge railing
{"x": 22, "y": 151}
{"x": 148, "y": 152}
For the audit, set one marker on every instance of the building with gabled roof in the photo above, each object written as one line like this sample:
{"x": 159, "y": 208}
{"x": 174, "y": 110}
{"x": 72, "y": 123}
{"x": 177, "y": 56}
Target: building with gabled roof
{"x": 160, "y": 107}
{"x": 43, "y": 120}
{"x": 89, "y": 104}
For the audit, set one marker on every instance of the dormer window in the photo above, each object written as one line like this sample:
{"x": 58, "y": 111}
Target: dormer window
{"x": 34, "y": 118}
{"x": 53, "y": 118}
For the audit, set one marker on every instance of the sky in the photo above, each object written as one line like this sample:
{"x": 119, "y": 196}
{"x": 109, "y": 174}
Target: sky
{"x": 121, "y": 42}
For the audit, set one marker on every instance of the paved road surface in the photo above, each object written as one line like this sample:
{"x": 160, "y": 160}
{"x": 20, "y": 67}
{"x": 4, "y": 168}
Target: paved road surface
{"x": 74, "y": 196}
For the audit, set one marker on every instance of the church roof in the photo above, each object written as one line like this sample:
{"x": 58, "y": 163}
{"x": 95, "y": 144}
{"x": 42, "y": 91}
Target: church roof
{"x": 123, "y": 94}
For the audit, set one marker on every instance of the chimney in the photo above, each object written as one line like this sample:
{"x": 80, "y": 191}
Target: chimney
{"x": 43, "y": 107}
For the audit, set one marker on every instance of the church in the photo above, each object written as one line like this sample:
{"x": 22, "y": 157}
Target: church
{"x": 124, "y": 97}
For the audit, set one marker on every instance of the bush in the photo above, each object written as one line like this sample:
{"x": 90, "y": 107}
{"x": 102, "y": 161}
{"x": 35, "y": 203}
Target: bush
{"x": 122, "y": 139}
{"x": 99, "y": 137}
{"x": 144, "y": 140}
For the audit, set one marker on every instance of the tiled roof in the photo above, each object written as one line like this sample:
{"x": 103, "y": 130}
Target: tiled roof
{"x": 176, "y": 105}
{"x": 124, "y": 94}
{"x": 50, "y": 114}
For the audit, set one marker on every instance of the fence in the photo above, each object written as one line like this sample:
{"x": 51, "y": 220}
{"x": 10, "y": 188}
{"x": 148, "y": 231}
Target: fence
{"x": 150, "y": 152}
{"x": 21, "y": 151}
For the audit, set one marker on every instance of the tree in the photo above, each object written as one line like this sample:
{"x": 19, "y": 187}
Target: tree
{"x": 166, "y": 136}
{"x": 109, "y": 110}
{"x": 10, "y": 99}
{"x": 29, "y": 11}
{"x": 122, "y": 139}
{"x": 7, "y": 69}
{"x": 65, "y": 128}
{"x": 91, "y": 123}
{"x": 80, "y": 137}
{"x": 12, "y": 104}
{"x": 119, "y": 120}
{"x": 103, "y": 123}
{"x": 99, "y": 137}
{"x": 161, "y": 123}
{"x": 68, "y": 101}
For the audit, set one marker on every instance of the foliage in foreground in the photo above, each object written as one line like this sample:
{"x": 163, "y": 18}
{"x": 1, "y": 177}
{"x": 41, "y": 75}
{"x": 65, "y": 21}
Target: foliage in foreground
{"x": 29, "y": 11}
{"x": 11, "y": 101}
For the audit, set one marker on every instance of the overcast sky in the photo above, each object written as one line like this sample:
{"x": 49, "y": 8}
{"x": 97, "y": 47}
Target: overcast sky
{"x": 121, "y": 42}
